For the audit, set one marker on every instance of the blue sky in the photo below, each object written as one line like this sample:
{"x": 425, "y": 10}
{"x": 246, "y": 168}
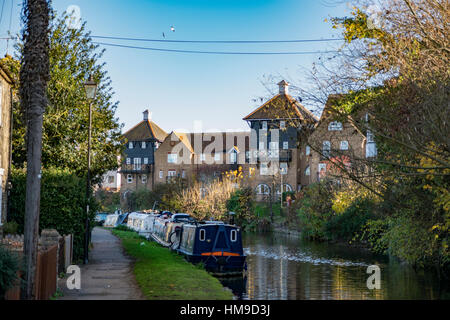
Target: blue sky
{"x": 181, "y": 88}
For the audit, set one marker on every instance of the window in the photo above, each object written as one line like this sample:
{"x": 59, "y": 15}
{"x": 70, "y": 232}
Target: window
{"x": 335, "y": 126}
{"x": 371, "y": 147}
{"x": 264, "y": 169}
{"x": 233, "y": 157}
{"x": 145, "y": 160}
{"x": 129, "y": 178}
{"x": 262, "y": 145}
{"x": 137, "y": 164}
{"x": 264, "y": 125}
{"x": 283, "y": 168}
{"x": 262, "y": 189}
{"x": 130, "y": 145}
{"x": 308, "y": 150}
{"x": 172, "y": 158}
{"x": 128, "y": 160}
{"x": 217, "y": 157}
{"x": 344, "y": 145}
{"x": 144, "y": 178}
{"x": 183, "y": 174}
{"x": 171, "y": 173}
{"x": 161, "y": 174}
{"x": 282, "y": 124}
{"x": 307, "y": 171}
{"x": 322, "y": 167}
{"x": 284, "y": 188}
{"x": 144, "y": 145}
{"x": 326, "y": 148}
{"x": 285, "y": 145}
{"x": 273, "y": 145}
{"x": 110, "y": 179}
{"x": 233, "y": 235}
{"x": 202, "y": 235}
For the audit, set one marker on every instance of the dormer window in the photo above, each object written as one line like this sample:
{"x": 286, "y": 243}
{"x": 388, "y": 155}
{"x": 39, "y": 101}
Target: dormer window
{"x": 130, "y": 145}
{"x": 144, "y": 145}
{"x": 335, "y": 126}
{"x": 282, "y": 124}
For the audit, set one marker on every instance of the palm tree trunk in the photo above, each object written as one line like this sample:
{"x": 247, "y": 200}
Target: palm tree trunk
{"x": 34, "y": 75}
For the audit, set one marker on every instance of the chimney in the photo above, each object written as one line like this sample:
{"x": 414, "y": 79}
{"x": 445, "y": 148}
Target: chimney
{"x": 283, "y": 85}
{"x": 147, "y": 115}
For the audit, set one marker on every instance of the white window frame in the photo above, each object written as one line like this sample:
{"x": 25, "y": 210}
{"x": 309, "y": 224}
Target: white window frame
{"x": 233, "y": 157}
{"x": 172, "y": 173}
{"x": 128, "y": 160}
{"x": 263, "y": 169}
{"x": 344, "y": 145}
{"x": 233, "y": 235}
{"x": 145, "y": 160}
{"x": 335, "y": 126}
{"x": 202, "y": 235}
{"x": 285, "y": 145}
{"x": 263, "y": 189}
{"x": 129, "y": 178}
{"x": 144, "y": 145}
{"x": 130, "y": 145}
{"x": 137, "y": 164}
{"x": 283, "y": 168}
{"x": 307, "y": 150}
{"x": 282, "y": 124}
{"x": 273, "y": 145}
{"x": 172, "y": 158}
{"x": 161, "y": 174}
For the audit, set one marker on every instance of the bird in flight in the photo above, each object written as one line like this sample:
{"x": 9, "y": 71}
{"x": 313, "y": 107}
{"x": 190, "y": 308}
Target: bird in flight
{"x": 172, "y": 28}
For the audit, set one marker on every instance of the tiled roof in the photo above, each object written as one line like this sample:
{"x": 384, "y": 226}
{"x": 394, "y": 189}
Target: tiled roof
{"x": 145, "y": 130}
{"x": 282, "y": 106}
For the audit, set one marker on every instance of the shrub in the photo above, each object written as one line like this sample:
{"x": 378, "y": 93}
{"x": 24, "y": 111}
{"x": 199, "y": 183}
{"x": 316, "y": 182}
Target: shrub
{"x": 122, "y": 227}
{"x": 314, "y": 209}
{"x": 63, "y": 204}
{"x": 344, "y": 226}
{"x": 241, "y": 203}
{"x": 9, "y": 265}
{"x": 374, "y": 233}
{"x": 10, "y": 227}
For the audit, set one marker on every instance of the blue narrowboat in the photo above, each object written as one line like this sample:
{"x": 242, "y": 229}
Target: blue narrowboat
{"x": 215, "y": 244}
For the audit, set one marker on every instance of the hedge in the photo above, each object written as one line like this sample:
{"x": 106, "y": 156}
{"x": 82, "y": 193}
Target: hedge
{"x": 63, "y": 204}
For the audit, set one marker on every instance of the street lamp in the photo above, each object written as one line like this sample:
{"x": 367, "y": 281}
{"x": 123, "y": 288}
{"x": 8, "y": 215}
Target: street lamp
{"x": 90, "y": 87}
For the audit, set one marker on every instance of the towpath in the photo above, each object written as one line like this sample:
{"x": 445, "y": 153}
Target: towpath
{"x": 108, "y": 275}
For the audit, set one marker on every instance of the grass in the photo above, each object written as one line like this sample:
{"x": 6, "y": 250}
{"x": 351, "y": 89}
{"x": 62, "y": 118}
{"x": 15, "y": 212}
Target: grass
{"x": 164, "y": 275}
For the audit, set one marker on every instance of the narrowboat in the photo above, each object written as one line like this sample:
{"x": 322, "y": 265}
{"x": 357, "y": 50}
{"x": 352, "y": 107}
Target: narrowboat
{"x": 167, "y": 230}
{"x": 142, "y": 223}
{"x": 215, "y": 244}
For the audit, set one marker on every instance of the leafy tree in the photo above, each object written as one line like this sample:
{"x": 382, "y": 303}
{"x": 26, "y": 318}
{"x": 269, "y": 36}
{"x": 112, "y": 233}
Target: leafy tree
{"x": 73, "y": 57}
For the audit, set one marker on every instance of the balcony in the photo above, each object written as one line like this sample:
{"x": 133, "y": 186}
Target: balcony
{"x": 273, "y": 155}
{"x": 136, "y": 168}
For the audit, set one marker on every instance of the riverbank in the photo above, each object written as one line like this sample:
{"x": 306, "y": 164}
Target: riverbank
{"x": 163, "y": 275}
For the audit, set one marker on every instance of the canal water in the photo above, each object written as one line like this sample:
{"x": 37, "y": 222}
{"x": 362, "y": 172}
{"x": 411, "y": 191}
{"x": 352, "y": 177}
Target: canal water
{"x": 290, "y": 268}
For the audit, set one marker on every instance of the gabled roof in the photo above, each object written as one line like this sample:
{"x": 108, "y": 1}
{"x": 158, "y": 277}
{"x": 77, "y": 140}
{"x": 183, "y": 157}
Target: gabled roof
{"x": 145, "y": 130}
{"x": 282, "y": 106}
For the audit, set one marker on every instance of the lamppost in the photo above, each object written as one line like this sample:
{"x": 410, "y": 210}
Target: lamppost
{"x": 91, "y": 89}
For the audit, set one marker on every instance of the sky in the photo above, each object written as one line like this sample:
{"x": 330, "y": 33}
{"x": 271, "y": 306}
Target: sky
{"x": 181, "y": 88}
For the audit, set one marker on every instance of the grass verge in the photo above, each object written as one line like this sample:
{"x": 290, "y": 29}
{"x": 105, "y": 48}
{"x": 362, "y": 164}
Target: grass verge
{"x": 164, "y": 275}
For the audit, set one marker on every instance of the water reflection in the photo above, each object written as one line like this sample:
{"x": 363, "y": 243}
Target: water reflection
{"x": 288, "y": 268}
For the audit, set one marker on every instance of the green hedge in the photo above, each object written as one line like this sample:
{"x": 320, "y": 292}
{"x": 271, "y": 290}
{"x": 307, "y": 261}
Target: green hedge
{"x": 9, "y": 265}
{"x": 63, "y": 204}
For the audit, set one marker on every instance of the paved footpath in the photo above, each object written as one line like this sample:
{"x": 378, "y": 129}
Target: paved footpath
{"x": 108, "y": 275}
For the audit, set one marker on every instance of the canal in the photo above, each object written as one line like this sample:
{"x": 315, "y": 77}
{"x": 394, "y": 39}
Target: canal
{"x": 289, "y": 268}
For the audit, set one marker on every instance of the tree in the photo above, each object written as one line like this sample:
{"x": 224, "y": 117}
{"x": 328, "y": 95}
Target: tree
{"x": 34, "y": 75}
{"x": 73, "y": 57}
